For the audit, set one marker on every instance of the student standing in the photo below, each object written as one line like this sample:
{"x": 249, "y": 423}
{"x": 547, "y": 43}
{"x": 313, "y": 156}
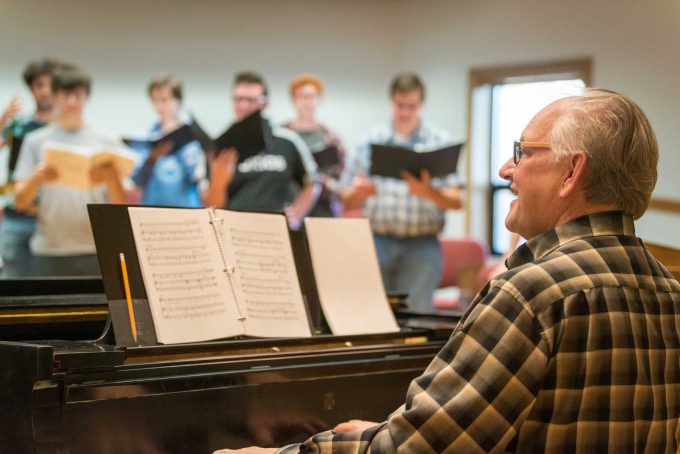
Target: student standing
{"x": 407, "y": 214}
{"x": 306, "y": 91}
{"x": 63, "y": 243}
{"x": 169, "y": 175}
{"x": 17, "y": 227}
{"x": 278, "y": 178}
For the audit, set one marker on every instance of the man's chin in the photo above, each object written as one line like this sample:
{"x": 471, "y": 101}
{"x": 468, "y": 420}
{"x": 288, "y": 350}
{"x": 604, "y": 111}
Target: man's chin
{"x": 511, "y": 219}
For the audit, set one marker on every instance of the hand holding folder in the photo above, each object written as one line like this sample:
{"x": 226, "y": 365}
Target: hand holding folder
{"x": 74, "y": 163}
{"x": 170, "y": 142}
{"x": 391, "y": 161}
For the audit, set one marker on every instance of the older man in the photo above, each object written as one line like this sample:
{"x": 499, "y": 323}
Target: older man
{"x": 576, "y": 347}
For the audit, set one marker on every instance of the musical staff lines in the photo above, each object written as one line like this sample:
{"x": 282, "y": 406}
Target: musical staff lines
{"x": 272, "y": 310}
{"x": 180, "y": 270}
{"x": 191, "y": 307}
{"x": 265, "y": 240}
{"x": 267, "y": 278}
{"x": 216, "y": 273}
{"x": 174, "y": 255}
{"x": 181, "y": 230}
{"x": 187, "y": 281}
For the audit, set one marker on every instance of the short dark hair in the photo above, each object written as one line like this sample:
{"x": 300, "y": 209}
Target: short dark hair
{"x": 37, "y": 68}
{"x": 166, "y": 80}
{"x": 69, "y": 77}
{"x": 406, "y": 82}
{"x": 251, "y": 77}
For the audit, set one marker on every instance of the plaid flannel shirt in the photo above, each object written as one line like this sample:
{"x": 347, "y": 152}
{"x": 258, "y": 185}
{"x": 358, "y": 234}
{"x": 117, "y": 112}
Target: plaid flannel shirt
{"x": 575, "y": 349}
{"x": 394, "y": 210}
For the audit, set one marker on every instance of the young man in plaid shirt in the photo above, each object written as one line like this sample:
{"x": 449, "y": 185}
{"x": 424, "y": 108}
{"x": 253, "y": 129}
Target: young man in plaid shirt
{"x": 406, "y": 214}
{"x": 575, "y": 349}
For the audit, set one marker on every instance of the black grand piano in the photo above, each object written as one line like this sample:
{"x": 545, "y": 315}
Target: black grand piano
{"x": 65, "y": 391}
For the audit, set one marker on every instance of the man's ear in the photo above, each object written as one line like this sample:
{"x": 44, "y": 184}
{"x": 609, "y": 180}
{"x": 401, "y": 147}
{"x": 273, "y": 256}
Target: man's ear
{"x": 575, "y": 169}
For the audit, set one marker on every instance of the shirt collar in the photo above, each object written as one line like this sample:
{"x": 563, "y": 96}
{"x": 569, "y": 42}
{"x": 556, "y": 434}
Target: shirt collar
{"x": 414, "y": 138}
{"x": 597, "y": 224}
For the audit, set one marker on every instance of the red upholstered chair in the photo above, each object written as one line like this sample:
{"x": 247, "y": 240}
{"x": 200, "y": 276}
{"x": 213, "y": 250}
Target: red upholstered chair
{"x": 463, "y": 258}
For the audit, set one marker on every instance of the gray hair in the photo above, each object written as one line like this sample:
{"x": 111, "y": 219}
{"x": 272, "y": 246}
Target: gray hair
{"x": 621, "y": 147}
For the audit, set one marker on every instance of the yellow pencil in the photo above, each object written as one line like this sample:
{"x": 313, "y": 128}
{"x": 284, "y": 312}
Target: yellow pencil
{"x": 128, "y": 297}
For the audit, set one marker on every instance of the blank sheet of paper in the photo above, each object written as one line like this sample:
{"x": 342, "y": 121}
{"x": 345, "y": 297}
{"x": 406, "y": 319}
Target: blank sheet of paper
{"x": 348, "y": 276}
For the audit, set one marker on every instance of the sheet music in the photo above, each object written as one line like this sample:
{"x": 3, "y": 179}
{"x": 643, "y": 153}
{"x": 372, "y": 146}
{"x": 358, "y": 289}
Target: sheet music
{"x": 74, "y": 162}
{"x": 258, "y": 247}
{"x": 189, "y": 297}
{"x": 348, "y": 276}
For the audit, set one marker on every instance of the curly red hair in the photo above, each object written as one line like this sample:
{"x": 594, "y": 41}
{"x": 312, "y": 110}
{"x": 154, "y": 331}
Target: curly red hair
{"x": 304, "y": 79}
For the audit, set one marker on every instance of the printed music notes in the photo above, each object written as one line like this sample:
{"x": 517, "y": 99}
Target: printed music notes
{"x": 211, "y": 274}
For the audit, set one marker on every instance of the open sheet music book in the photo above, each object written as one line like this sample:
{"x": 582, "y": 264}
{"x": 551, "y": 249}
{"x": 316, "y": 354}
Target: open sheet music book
{"x": 247, "y": 136}
{"x": 177, "y": 138}
{"x": 327, "y": 158}
{"x": 73, "y": 163}
{"x": 213, "y": 273}
{"x": 390, "y": 160}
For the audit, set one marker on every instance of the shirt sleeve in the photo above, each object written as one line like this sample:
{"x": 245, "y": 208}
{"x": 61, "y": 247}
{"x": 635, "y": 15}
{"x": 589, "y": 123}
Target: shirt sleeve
{"x": 311, "y": 170}
{"x": 474, "y": 395}
{"x": 29, "y": 157}
{"x": 446, "y": 181}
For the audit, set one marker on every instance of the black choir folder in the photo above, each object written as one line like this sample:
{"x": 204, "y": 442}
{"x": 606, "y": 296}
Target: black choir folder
{"x": 247, "y": 136}
{"x": 204, "y": 274}
{"x": 328, "y": 158}
{"x": 390, "y": 160}
{"x": 178, "y": 138}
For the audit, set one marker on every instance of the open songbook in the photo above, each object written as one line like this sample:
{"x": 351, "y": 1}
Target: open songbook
{"x": 217, "y": 273}
{"x": 390, "y": 160}
{"x": 73, "y": 163}
{"x": 177, "y": 138}
{"x": 327, "y": 158}
{"x": 209, "y": 274}
{"x": 247, "y": 136}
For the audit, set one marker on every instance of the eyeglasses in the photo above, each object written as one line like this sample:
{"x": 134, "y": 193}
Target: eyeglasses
{"x": 249, "y": 100}
{"x": 518, "y": 150}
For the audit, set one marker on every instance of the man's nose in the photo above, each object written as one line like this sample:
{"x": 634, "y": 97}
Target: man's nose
{"x": 507, "y": 169}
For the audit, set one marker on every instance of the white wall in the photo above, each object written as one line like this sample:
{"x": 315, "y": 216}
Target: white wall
{"x": 123, "y": 43}
{"x": 356, "y": 45}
